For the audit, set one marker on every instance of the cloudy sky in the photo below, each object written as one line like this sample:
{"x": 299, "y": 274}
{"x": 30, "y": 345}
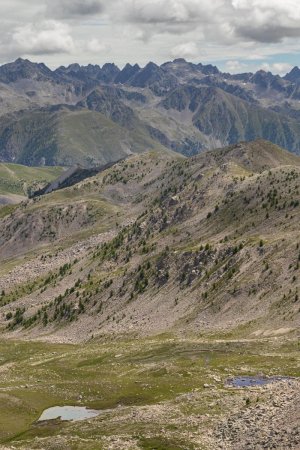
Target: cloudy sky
{"x": 236, "y": 35}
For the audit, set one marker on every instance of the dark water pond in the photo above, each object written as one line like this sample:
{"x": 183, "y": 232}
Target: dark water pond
{"x": 72, "y": 413}
{"x": 253, "y": 381}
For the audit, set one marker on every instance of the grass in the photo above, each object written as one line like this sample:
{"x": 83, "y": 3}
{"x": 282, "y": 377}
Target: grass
{"x": 122, "y": 376}
{"x": 6, "y": 210}
{"x": 158, "y": 443}
{"x": 15, "y": 178}
{"x": 92, "y": 137}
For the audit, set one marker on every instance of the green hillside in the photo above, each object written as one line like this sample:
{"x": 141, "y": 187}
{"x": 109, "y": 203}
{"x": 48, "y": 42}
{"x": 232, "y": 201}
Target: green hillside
{"x": 16, "y": 179}
{"x": 64, "y": 136}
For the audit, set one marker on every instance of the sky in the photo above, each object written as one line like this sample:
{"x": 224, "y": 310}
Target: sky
{"x": 236, "y": 35}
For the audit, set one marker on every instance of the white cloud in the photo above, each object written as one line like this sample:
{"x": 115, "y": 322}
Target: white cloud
{"x": 45, "y": 37}
{"x": 68, "y": 9}
{"x": 222, "y": 20}
{"x": 277, "y": 68}
{"x": 187, "y": 50}
{"x": 235, "y": 66}
{"x": 267, "y": 20}
{"x": 255, "y": 57}
{"x": 172, "y": 11}
{"x": 95, "y": 46}
{"x": 142, "y": 30}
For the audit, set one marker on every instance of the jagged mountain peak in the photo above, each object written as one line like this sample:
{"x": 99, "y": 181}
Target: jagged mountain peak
{"x": 154, "y": 77}
{"x": 180, "y": 61}
{"x": 21, "y": 62}
{"x": 208, "y": 69}
{"x": 111, "y": 66}
{"x": 25, "y": 69}
{"x": 108, "y": 73}
{"x": 293, "y": 75}
{"x": 74, "y": 67}
{"x": 151, "y": 65}
{"x": 126, "y": 73}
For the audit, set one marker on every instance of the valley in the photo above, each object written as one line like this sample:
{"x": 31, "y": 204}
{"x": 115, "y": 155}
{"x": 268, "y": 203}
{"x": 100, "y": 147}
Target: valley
{"x": 163, "y": 392}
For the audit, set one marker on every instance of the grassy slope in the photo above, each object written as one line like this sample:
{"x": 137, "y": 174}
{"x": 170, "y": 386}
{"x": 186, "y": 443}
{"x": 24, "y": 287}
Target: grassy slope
{"x": 65, "y": 137}
{"x": 89, "y": 135}
{"x": 14, "y": 178}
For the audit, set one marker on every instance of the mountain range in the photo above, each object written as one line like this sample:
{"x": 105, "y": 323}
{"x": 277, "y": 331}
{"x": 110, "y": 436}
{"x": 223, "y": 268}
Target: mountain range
{"x": 95, "y": 115}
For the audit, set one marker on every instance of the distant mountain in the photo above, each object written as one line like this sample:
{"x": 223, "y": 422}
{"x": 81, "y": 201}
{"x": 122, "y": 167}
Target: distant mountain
{"x": 294, "y": 75}
{"x": 230, "y": 119}
{"x": 153, "y": 77}
{"x": 178, "y": 105}
{"x": 109, "y": 101}
{"x": 65, "y": 135}
{"x": 127, "y": 73}
{"x": 24, "y": 69}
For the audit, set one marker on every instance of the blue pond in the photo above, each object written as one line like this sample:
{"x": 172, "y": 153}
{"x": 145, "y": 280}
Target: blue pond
{"x": 253, "y": 381}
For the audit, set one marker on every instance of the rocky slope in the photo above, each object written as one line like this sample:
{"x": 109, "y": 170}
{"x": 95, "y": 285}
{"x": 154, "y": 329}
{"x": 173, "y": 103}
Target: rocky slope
{"x": 209, "y": 242}
{"x": 274, "y": 424}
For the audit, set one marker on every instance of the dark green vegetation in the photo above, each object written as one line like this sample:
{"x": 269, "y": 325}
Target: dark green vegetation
{"x": 147, "y": 388}
{"x": 92, "y": 115}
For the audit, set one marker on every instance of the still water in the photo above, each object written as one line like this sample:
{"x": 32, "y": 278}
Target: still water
{"x": 73, "y": 413}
